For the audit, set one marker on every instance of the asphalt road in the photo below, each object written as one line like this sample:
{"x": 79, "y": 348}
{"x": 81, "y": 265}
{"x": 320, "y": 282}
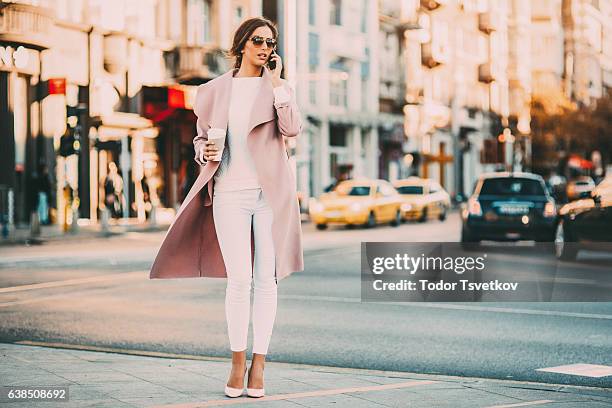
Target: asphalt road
{"x": 96, "y": 292}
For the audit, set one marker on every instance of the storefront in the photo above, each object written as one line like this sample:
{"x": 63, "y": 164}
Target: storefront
{"x": 22, "y": 37}
{"x": 171, "y": 110}
{"x": 124, "y": 166}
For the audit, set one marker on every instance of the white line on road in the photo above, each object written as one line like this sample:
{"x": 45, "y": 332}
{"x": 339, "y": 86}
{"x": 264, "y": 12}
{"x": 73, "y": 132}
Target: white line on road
{"x": 585, "y": 370}
{"x": 78, "y": 281}
{"x": 453, "y": 307}
{"x": 522, "y": 404}
{"x": 144, "y": 274}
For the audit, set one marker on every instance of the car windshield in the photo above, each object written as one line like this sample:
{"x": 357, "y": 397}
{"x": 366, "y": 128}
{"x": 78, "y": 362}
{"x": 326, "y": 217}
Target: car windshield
{"x": 353, "y": 190}
{"x": 410, "y": 189}
{"x": 511, "y": 187}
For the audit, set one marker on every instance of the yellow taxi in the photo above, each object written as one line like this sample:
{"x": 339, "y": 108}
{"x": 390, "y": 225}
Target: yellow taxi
{"x": 360, "y": 201}
{"x": 422, "y": 199}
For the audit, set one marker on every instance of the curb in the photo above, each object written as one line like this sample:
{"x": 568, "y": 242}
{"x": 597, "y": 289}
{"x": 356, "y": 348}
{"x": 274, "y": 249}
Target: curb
{"x": 329, "y": 369}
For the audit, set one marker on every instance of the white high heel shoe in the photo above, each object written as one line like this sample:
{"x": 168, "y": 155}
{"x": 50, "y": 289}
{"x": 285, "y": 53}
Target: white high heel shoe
{"x": 255, "y": 392}
{"x": 235, "y": 392}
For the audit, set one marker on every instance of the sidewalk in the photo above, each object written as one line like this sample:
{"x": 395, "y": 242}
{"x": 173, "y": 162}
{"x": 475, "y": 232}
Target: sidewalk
{"x": 104, "y": 378}
{"x": 21, "y": 236}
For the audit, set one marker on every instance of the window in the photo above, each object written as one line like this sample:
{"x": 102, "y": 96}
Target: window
{"x": 312, "y": 20}
{"x": 359, "y": 191}
{"x": 413, "y": 190}
{"x": 511, "y": 187}
{"x": 364, "y": 16}
{"x": 175, "y": 20}
{"x": 365, "y": 65}
{"x": 337, "y": 136}
{"x": 365, "y": 73}
{"x": 70, "y": 10}
{"x": 313, "y": 50}
{"x": 338, "y": 91}
{"x": 335, "y": 12}
{"x": 198, "y": 22}
{"x": 238, "y": 16}
{"x": 312, "y": 92}
{"x": 338, "y": 87}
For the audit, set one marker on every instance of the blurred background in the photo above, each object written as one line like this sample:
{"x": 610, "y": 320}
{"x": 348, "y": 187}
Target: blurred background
{"x": 96, "y": 95}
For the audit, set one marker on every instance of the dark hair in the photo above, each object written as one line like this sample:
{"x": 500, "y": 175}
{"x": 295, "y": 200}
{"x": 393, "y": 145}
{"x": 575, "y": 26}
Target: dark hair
{"x": 243, "y": 33}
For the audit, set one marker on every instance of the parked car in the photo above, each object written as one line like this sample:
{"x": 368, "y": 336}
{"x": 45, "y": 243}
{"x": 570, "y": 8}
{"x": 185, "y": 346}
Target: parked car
{"x": 586, "y": 223}
{"x": 361, "y": 201}
{"x": 508, "y": 207}
{"x": 580, "y": 187}
{"x": 422, "y": 199}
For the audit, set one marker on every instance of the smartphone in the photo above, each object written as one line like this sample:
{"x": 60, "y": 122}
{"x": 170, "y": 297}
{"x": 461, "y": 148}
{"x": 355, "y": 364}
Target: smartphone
{"x": 271, "y": 62}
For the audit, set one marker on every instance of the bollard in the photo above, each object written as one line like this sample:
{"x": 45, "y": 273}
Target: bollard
{"x": 104, "y": 217}
{"x": 74, "y": 227}
{"x": 11, "y": 213}
{"x": 153, "y": 216}
{"x": 34, "y": 224}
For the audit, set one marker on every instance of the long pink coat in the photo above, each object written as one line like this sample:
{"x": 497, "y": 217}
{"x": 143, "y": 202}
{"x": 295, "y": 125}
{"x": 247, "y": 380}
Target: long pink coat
{"x": 190, "y": 248}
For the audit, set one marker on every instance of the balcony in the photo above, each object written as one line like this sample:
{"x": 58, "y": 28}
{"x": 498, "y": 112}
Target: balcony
{"x": 196, "y": 62}
{"x": 341, "y": 42}
{"x": 25, "y": 25}
{"x": 488, "y": 22}
{"x": 433, "y": 54}
{"x": 486, "y": 73}
{"x": 432, "y": 4}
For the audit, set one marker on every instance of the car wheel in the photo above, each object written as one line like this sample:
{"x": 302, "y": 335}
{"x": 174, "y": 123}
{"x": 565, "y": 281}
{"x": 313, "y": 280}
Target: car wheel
{"x": 424, "y": 215}
{"x": 321, "y": 226}
{"x": 397, "y": 220}
{"x": 442, "y": 215}
{"x": 371, "y": 222}
{"x": 565, "y": 248}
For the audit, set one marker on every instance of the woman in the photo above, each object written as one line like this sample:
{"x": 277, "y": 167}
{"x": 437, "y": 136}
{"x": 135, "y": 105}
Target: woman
{"x": 251, "y": 188}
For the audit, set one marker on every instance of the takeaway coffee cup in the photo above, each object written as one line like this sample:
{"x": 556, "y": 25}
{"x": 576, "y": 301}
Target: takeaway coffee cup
{"x": 217, "y": 136}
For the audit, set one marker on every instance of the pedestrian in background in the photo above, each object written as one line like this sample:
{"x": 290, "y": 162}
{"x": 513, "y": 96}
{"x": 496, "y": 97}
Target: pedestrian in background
{"x": 250, "y": 204}
{"x": 43, "y": 193}
{"x": 113, "y": 191}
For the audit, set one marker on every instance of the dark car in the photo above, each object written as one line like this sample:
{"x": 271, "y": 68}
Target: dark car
{"x": 586, "y": 224}
{"x": 509, "y": 207}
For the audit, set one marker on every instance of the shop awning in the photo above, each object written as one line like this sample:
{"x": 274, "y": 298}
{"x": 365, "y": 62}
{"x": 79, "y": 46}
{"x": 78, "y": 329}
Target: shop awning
{"x": 120, "y": 124}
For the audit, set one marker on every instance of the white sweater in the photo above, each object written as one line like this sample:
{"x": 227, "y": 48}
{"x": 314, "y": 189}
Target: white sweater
{"x": 240, "y": 173}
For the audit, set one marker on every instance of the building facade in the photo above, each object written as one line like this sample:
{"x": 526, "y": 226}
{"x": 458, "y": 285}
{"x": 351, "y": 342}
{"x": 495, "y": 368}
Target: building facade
{"x": 337, "y": 83}
{"x": 457, "y": 97}
{"x": 129, "y": 69}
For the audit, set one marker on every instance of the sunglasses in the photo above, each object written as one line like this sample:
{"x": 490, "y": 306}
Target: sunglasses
{"x": 258, "y": 41}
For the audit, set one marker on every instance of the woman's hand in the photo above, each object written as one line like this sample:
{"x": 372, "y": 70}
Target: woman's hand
{"x": 276, "y": 73}
{"x": 208, "y": 151}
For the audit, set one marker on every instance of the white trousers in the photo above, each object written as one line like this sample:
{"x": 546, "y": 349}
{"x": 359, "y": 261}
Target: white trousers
{"x": 233, "y": 213}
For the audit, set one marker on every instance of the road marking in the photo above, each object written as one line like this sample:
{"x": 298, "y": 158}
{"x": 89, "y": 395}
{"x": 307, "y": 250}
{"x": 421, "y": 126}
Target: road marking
{"x": 522, "y": 404}
{"x": 318, "y": 393}
{"x": 78, "y": 281}
{"x": 453, "y": 307}
{"x": 337, "y": 299}
{"x": 585, "y": 370}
